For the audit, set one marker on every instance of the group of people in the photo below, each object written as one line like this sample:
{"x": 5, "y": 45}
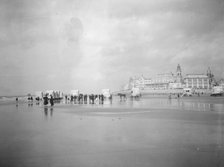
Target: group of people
{"x": 93, "y": 98}
{"x": 81, "y": 98}
{"x": 46, "y": 99}
{"x": 122, "y": 96}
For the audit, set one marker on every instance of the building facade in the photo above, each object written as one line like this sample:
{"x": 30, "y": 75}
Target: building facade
{"x": 161, "y": 81}
{"x": 197, "y": 81}
{"x": 179, "y": 78}
{"x": 173, "y": 81}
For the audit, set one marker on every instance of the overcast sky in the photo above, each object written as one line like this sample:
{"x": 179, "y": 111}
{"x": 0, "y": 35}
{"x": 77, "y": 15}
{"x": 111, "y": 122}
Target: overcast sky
{"x": 95, "y": 44}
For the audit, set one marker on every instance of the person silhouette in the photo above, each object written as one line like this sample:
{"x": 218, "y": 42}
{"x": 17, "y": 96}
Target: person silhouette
{"x": 51, "y": 101}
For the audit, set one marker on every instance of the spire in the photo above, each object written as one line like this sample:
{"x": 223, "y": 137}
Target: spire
{"x": 178, "y": 68}
{"x": 210, "y": 76}
{"x": 209, "y": 72}
{"x": 178, "y": 74}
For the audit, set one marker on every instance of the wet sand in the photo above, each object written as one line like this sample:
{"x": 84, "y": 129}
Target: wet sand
{"x": 153, "y": 132}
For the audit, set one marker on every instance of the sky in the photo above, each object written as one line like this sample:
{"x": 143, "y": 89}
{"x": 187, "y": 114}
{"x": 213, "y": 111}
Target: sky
{"x": 91, "y": 45}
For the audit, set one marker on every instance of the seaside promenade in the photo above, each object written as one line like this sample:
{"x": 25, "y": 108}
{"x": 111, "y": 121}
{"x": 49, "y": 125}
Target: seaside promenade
{"x": 150, "y": 131}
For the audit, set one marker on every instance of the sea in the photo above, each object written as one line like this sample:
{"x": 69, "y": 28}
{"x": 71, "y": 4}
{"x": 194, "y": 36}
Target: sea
{"x": 12, "y": 99}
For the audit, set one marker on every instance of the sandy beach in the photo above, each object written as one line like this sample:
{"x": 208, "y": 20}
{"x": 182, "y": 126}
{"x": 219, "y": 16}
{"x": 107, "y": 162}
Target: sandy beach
{"x": 153, "y": 131}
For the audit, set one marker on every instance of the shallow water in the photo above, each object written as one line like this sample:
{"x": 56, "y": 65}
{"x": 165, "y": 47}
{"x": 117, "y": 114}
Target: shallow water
{"x": 154, "y": 131}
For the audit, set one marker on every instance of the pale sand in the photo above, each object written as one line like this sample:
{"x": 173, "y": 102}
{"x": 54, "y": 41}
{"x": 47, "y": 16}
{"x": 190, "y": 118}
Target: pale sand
{"x": 153, "y": 133}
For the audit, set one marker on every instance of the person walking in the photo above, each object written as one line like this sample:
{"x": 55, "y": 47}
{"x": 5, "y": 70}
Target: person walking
{"x": 45, "y": 100}
{"x": 51, "y": 101}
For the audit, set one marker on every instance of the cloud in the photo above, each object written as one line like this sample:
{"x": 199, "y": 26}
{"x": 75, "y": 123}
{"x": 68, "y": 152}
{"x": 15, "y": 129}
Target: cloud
{"x": 70, "y": 44}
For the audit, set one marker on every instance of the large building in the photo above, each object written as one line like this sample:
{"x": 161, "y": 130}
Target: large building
{"x": 200, "y": 81}
{"x": 197, "y": 81}
{"x": 173, "y": 81}
{"x": 161, "y": 81}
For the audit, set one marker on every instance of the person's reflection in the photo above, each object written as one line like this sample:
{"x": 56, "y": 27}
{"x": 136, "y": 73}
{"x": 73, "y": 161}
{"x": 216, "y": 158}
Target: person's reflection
{"x": 211, "y": 107}
{"x": 30, "y": 104}
{"x": 46, "y": 113}
{"x": 51, "y": 111}
{"x": 17, "y": 107}
{"x": 131, "y": 103}
{"x": 170, "y": 101}
{"x": 178, "y": 103}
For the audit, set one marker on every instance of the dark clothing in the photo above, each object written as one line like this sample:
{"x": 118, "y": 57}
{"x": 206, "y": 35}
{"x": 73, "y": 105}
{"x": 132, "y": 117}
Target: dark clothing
{"x": 52, "y": 101}
{"x": 45, "y": 100}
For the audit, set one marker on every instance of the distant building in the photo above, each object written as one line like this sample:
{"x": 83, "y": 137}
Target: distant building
{"x": 197, "y": 81}
{"x": 136, "y": 82}
{"x": 221, "y": 83}
{"x": 179, "y": 78}
{"x": 161, "y": 81}
{"x": 178, "y": 83}
{"x": 212, "y": 81}
{"x": 174, "y": 81}
{"x": 200, "y": 81}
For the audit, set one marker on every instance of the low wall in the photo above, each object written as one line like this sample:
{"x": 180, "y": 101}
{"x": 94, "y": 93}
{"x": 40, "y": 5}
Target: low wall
{"x": 172, "y": 91}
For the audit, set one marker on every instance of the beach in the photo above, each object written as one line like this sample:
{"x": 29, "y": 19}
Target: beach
{"x": 150, "y": 131}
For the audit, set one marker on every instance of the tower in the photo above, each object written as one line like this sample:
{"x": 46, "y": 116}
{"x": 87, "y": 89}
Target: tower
{"x": 211, "y": 77}
{"x": 209, "y": 72}
{"x": 178, "y": 74}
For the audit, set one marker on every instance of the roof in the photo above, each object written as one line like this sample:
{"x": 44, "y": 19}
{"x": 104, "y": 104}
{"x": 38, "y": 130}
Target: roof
{"x": 196, "y": 76}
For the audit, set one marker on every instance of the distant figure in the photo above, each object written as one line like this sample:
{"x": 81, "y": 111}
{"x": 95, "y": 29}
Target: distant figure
{"x": 51, "y": 101}
{"x": 80, "y": 98}
{"x": 45, "y": 100}
{"x": 111, "y": 97}
{"x": 96, "y": 98}
{"x": 122, "y": 96}
{"x": 17, "y": 99}
{"x": 85, "y": 99}
{"x": 75, "y": 98}
{"x": 93, "y": 99}
{"x": 102, "y": 99}
{"x": 169, "y": 96}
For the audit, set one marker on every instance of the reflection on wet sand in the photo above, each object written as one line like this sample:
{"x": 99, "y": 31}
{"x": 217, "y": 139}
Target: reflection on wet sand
{"x": 178, "y": 132}
{"x": 48, "y": 111}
